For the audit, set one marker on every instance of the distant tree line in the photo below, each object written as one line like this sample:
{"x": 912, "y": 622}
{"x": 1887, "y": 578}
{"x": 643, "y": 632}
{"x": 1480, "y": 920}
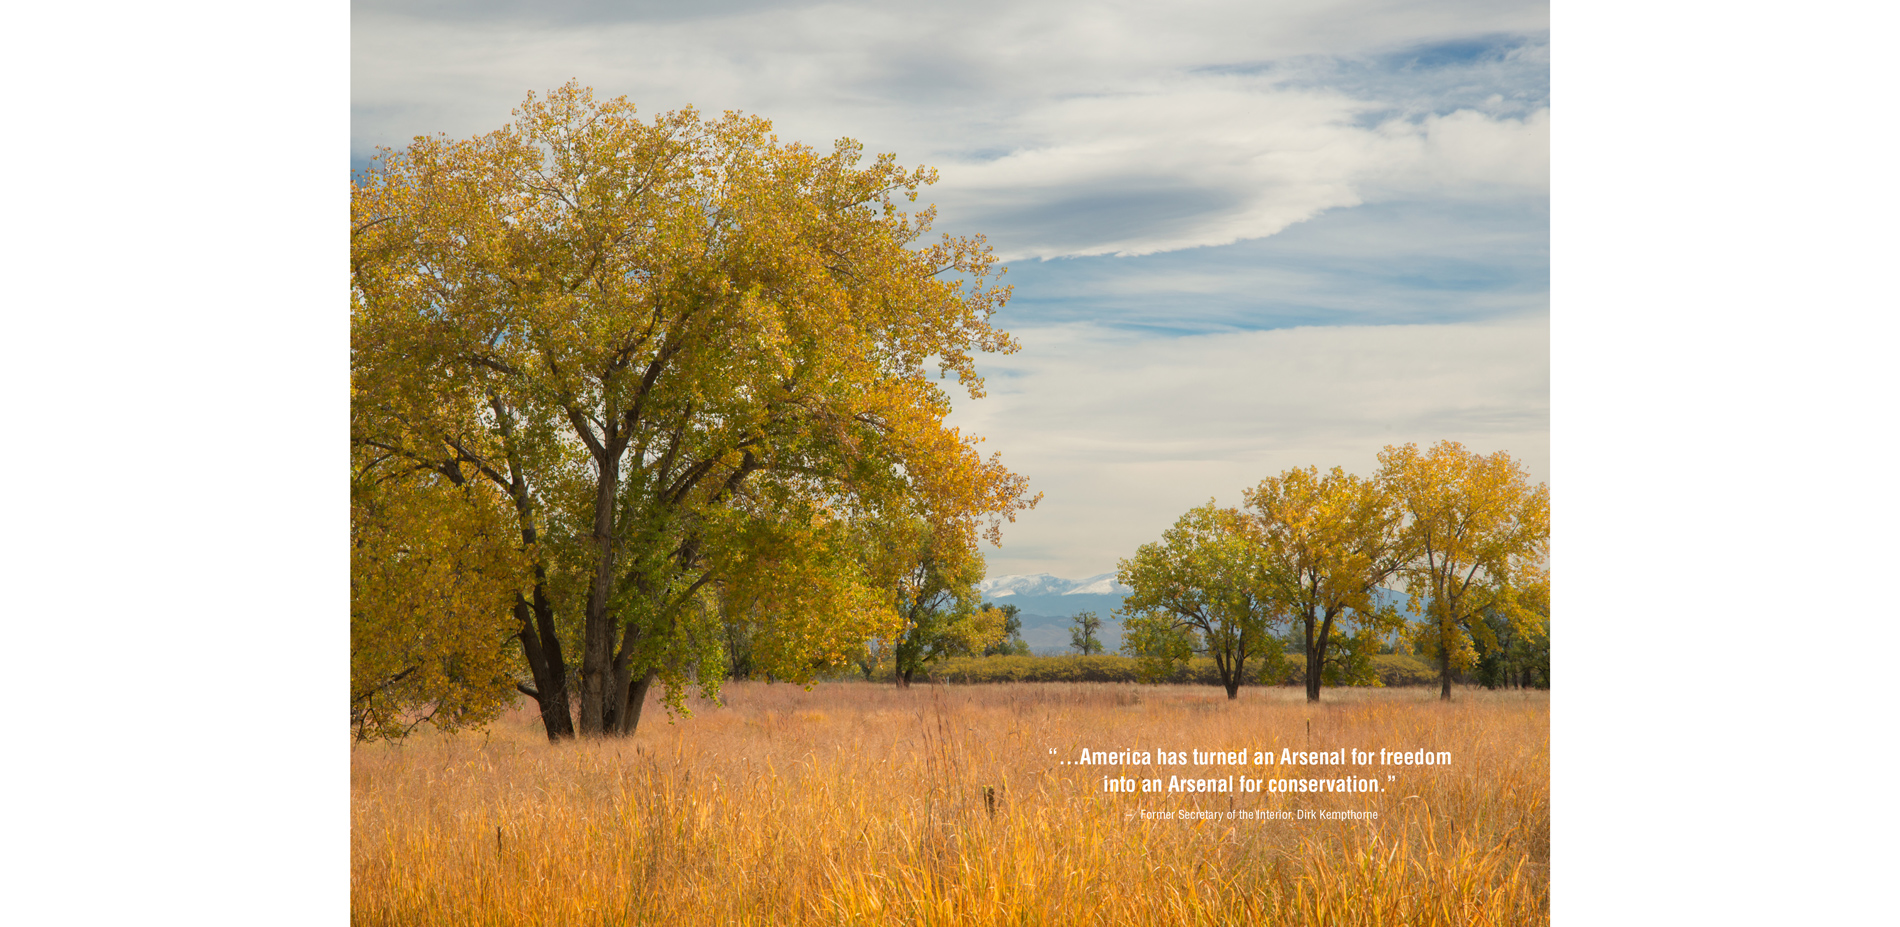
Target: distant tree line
{"x": 1392, "y": 670}
{"x": 1297, "y": 569}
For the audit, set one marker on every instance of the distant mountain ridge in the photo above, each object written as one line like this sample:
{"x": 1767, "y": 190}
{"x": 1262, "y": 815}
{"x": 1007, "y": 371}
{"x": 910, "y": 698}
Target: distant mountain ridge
{"x": 1048, "y": 601}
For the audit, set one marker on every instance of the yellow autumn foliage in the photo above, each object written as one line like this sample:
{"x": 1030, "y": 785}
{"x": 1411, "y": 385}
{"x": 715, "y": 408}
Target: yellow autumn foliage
{"x": 1477, "y": 533}
{"x": 692, "y": 359}
{"x": 434, "y": 569}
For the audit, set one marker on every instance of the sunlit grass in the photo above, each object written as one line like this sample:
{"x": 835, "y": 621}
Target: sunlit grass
{"x": 864, "y": 804}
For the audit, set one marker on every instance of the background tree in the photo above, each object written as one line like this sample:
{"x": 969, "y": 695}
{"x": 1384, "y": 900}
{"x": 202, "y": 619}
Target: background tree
{"x": 871, "y": 656}
{"x": 1198, "y": 590}
{"x": 1012, "y": 644}
{"x": 1276, "y": 669}
{"x": 1326, "y": 544}
{"x": 936, "y": 595}
{"x": 691, "y": 359}
{"x": 740, "y": 627}
{"x": 1478, "y": 532}
{"x": 1084, "y": 631}
{"x": 1521, "y": 658}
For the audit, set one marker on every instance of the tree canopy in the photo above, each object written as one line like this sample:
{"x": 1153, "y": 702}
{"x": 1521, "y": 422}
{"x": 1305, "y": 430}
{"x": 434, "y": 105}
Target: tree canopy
{"x": 1011, "y": 644}
{"x": 1326, "y": 543}
{"x": 1199, "y": 590}
{"x": 932, "y": 576}
{"x": 687, "y": 362}
{"x": 1477, "y": 532}
{"x": 432, "y": 577}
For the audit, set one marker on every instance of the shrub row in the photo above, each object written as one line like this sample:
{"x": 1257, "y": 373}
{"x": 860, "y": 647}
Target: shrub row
{"x": 1398, "y": 669}
{"x": 1394, "y": 670}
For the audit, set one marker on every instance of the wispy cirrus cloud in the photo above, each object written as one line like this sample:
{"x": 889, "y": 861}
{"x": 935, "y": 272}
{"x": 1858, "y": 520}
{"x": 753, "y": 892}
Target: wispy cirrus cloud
{"x": 1408, "y": 261}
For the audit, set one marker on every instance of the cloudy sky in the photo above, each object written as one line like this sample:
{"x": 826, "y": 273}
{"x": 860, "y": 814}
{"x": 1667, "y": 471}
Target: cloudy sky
{"x": 1243, "y": 237}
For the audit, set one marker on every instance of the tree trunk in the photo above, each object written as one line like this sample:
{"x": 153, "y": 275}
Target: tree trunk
{"x": 1315, "y": 658}
{"x": 598, "y": 695}
{"x": 627, "y": 718}
{"x": 626, "y": 694}
{"x": 542, "y": 649}
{"x": 1233, "y": 689}
{"x": 1446, "y": 608}
{"x": 540, "y": 644}
{"x": 1318, "y": 636}
{"x": 903, "y": 678}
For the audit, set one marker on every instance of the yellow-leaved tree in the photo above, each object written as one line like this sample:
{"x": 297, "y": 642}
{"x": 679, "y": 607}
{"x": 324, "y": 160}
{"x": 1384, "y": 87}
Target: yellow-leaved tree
{"x": 1477, "y": 533}
{"x": 931, "y": 576}
{"x": 1326, "y": 543}
{"x": 1200, "y": 589}
{"x": 692, "y": 360}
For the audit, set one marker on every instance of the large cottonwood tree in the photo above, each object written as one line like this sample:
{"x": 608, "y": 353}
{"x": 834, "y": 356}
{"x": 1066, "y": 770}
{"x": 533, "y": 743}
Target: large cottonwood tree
{"x": 1326, "y": 544}
{"x": 692, "y": 360}
{"x": 1478, "y": 533}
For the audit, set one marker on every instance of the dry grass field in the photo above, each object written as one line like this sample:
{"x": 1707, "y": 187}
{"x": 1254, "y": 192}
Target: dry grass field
{"x": 856, "y": 803}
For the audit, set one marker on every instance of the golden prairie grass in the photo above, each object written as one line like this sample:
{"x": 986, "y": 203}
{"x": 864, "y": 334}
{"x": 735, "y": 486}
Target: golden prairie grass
{"x": 855, "y": 803}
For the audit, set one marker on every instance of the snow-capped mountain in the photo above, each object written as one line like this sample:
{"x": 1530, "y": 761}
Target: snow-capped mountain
{"x": 1046, "y": 602}
{"x": 1044, "y": 584}
{"x": 1101, "y": 584}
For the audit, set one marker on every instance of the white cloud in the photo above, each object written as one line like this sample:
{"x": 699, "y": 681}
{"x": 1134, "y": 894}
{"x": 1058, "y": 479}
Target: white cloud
{"x": 1060, "y": 128}
{"x": 1214, "y": 159}
{"x": 1465, "y": 152}
{"x": 1128, "y": 432}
